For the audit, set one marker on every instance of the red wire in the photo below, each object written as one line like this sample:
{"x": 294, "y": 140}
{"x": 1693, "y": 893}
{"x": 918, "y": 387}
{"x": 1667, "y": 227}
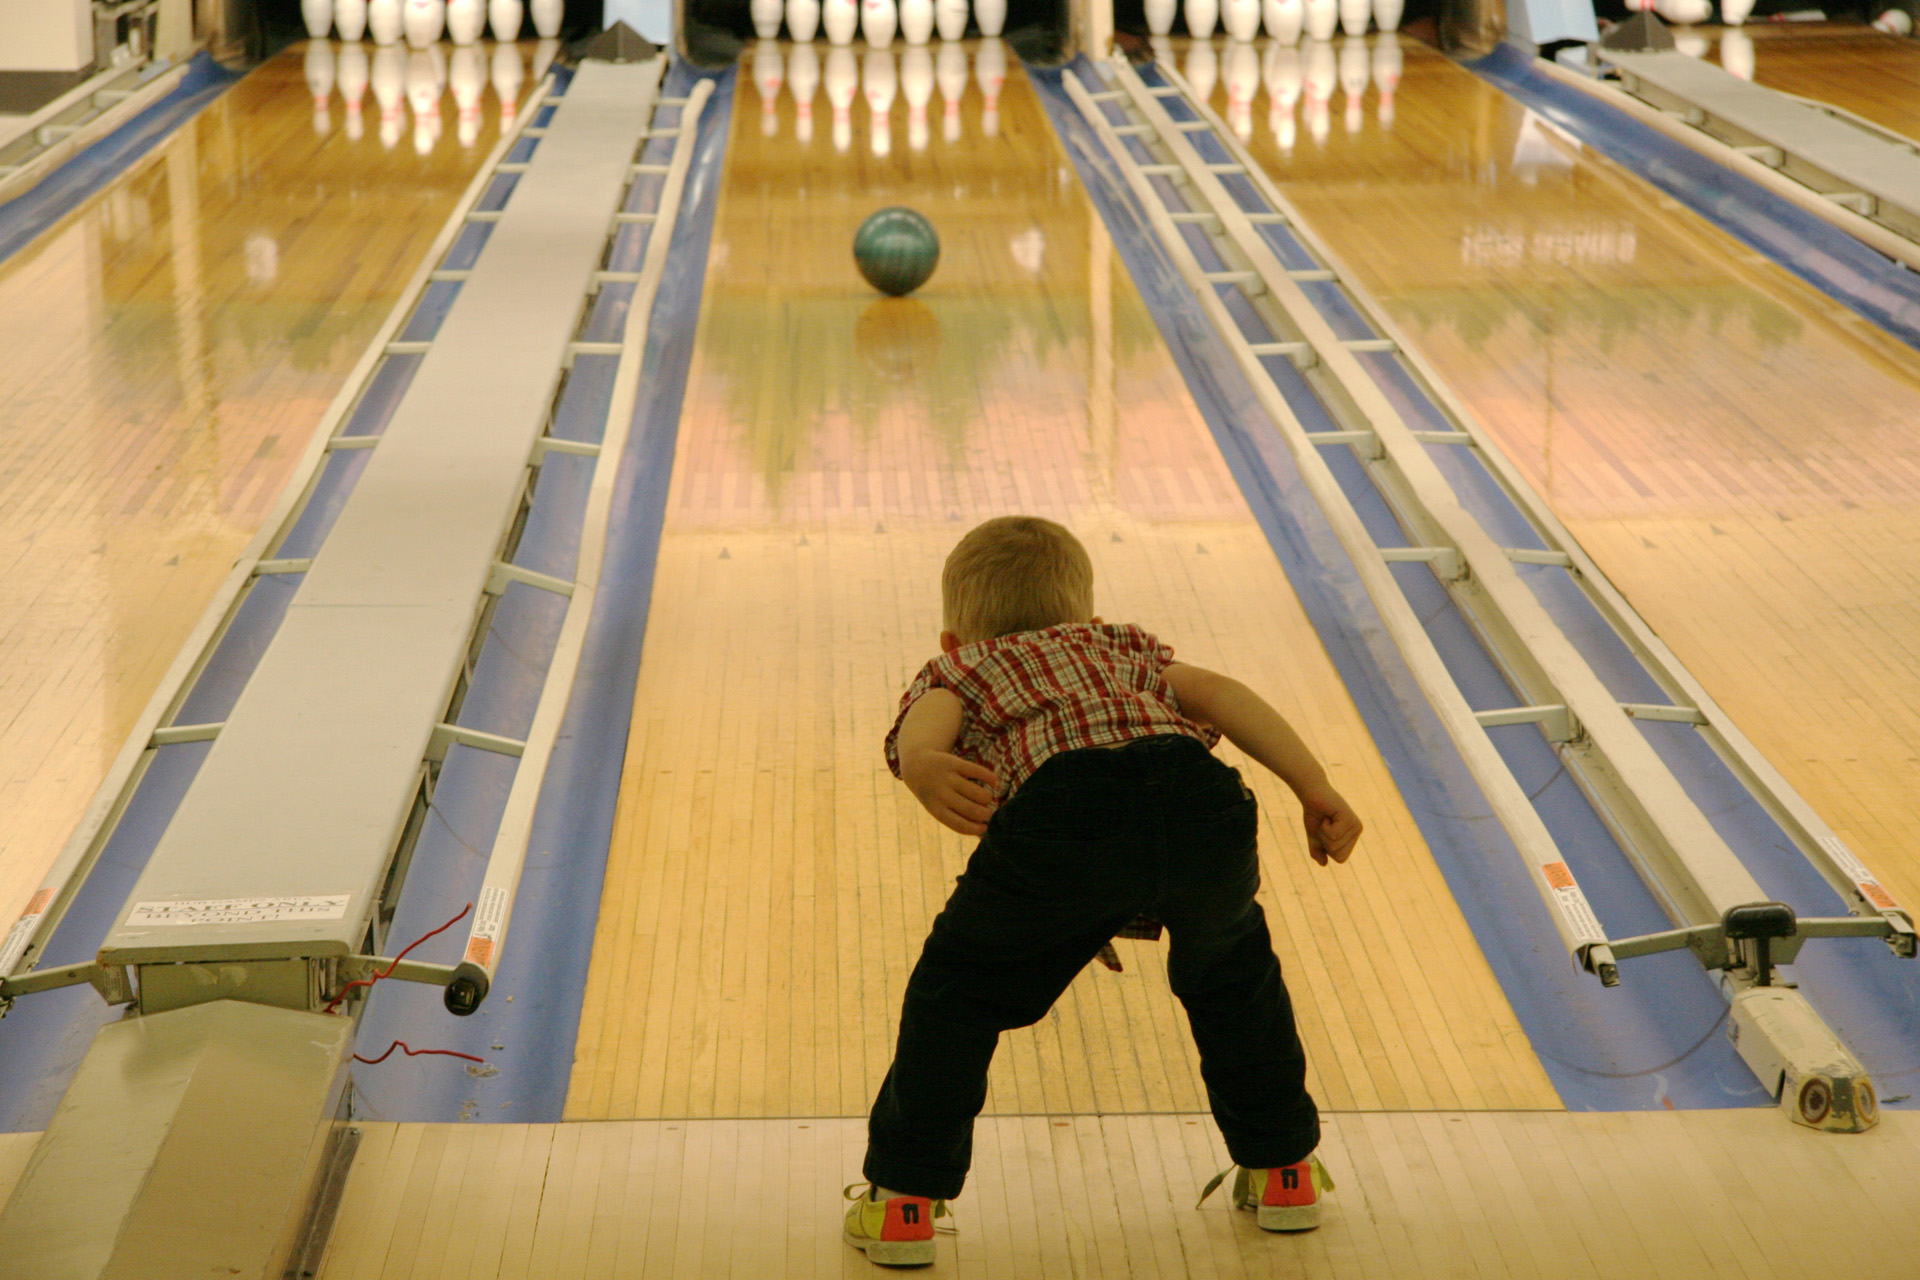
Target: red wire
{"x": 403, "y": 1047}
{"x": 367, "y": 982}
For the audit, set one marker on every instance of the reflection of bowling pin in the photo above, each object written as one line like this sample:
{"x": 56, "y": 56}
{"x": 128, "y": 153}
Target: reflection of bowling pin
{"x": 544, "y": 52}
{"x": 423, "y": 96}
{"x": 1241, "y": 18}
{"x": 1160, "y": 15}
{"x": 350, "y": 17}
{"x": 803, "y": 78}
{"x": 1736, "y": 53}
{"x": 1354, "y": 15}
{"x": 1203, "y": 69}
{"x": 547, "y": 15}
{"x": 1284, "y": 18}
{"x": 424, "y": 21}
{"x": 318, "y": 15}
{"x": 1282, "y": 74}
{"x": 951, "y": 17}
{"x": 916, "y": 22}
{"x": 803, "y": 19}
{"x": 319, "y": 68}
{"x": 952, "y": 75}
{"x": 842, "y": 81}
{"x": 353, "y": 85}
{"x": 1201, "y": 16}
{"x": 769, "y": 70}
{"x": 1322, "y": 17}
{"x": 991, "y": 15}
{"x": 1386, "y": 73}
{"x": 1691, "y": 43}
{"x": 841, "y": 18}
{"x": 1386, "y": 14}
{"x": 990, "y": 70}
{"x": 467, "y": 77}
{"x": 766, "y": 18}
{"x": 1733, "y": 13}
{"x": 916, "y": 86}
{"x": 505, "y": 17}
{"x": 1321, "y": 74}
{"x": 1895, "y": 22}
{"x": 1355, "y": 70}
{"x": 508, "y": 72}
{"x": 389, "y": 81}
{"x": 1242, "y": 78}
{"x": 878, "y": 20}
{"x": 383, "y": 20}
{"x": 877, "y": 78}
{"x": 466, "y": 19}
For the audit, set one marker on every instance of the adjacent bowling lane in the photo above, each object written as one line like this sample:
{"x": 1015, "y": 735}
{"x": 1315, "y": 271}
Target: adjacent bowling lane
{"x": 168, "y": 348}
{"x": 1874, "y": 75}
{"x": 1733, "y": 448}
{"x": 769, "y": 883}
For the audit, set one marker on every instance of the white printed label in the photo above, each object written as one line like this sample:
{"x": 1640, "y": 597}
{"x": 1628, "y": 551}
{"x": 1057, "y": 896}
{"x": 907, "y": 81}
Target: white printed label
{"x": 330, "y": 906}
{"x": 1574, "y": 906}
{"x": 489, "y": 920}
{"x": 1856, "y": 871}
{"x": 22, "y": 932}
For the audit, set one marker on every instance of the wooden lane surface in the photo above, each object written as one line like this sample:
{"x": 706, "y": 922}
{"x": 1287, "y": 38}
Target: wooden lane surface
{"x": 169, "y": 347}
{"x": 769, "y": 883}
{"x": 1480, "y": 1195}
{"x": 1872, "y": 74}
{"x": 1735, "y": 450}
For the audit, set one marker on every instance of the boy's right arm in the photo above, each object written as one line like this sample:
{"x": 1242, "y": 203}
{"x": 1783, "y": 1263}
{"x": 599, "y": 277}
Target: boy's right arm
{"x": 956, "y": 791}
{"x": 1251, "y": 724}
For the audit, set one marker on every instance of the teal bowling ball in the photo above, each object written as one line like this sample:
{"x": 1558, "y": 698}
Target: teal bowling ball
{"x": 896, "y": 250}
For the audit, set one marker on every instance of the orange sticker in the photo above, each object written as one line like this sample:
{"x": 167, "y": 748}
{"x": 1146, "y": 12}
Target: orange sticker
{"x": 480, "y": 951}
{"x": 1877, "y": 896}
{"x": 39, "y": 903}
{"x": 1557, "y": 875}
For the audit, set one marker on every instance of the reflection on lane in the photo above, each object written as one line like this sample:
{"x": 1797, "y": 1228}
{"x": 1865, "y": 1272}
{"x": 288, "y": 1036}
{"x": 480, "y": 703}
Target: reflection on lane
{"x": 420, "y": 80}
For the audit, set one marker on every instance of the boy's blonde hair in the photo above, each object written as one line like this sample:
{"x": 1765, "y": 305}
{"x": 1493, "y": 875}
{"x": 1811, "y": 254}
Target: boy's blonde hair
{"x": 1015, "y": 573}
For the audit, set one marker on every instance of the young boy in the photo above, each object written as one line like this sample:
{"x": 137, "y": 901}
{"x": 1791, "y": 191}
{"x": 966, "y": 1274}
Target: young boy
{"x": 1080, "y": 753}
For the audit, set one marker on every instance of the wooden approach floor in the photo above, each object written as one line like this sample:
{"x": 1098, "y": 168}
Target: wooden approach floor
{"x": 170, "y": 346}
{"x": 1420, "y": 1196}
{"x": 769, "y": 883}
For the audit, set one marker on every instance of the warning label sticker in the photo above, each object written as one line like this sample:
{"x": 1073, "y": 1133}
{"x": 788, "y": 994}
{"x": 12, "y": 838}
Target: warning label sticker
{"x": 328, "y": 906}
{"x": 1574, "y": 907}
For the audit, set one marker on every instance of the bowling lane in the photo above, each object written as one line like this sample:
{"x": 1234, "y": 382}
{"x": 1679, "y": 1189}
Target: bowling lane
{"x": 769, "y": 883}
{"x": 1874, "y": 75}
{"x": 1734, "y": 449}
{"x": 169, "y": 347}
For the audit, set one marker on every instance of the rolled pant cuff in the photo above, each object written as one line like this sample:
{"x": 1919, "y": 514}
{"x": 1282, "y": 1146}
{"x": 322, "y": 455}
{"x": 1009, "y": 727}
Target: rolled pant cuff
{"x": 913, "y": 1180}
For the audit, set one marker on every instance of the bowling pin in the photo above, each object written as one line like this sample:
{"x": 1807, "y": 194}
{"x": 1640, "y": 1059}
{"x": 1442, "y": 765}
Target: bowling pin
{"x": 350, "y": 19}
{"x": 505, "y": 17}
{"x": 319, "y": 69}
{"x": 1283, "y": 19}
{"x": 992, "y": 17}
{"x": 803, "y": 20}
{"x": 1281, "y": 72}
{"x": 878, "y": 80}
{"x": 1736, "y": 53}
{"x": 951, "y": 17}
{"x": 803, "y": 79}
{"x": 1684, "y": 12}
{"x": 353, "y": 86}
{"x": 1203, "y": 69}
{"x": 389, "y": 80}
{"x": 1241, "y": 18}
{"x": 1386, "y": 73}
{"x": 841, "y": 18}
{"x": 1734, "y": 12}
{"x": 508, "y": 72}
{"x": 544, "y": 52}
{"x": 878, "y": 20}
{"x": 424, "y": 21}
{"x": 318, "y": 15}
{"x": 1160, "y": 16}
{"x": 467, "y": 76}
{"x": 1354, "y": 15}
{"x": 466, "y": 19}
{"x": 916, "y": 86}
{"x": 1242, "y": 78}
{"x": 547, "y": 16}
{"x": 769, "y": 70}
{"x": 1895, "y": 22}
{"x": 1387, "y": 13}
{"x": 383, "y": 21}
{"x": 916, "y": 24}
{"x": 1355, "y": 71}
{"x": 1322, "y": 17}
{"x": 1321, "y": 74}
{"x": 423, "y": 96}
{"x": 990, "y": 71}
{"x": 951, "y": 73}
{"x": 1201, "y": 16}
{"x": 766, "y": 18}
{"x": 842, "y": 81}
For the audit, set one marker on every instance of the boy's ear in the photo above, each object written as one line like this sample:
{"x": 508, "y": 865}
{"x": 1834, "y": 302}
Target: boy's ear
{"x": 949, "y": 642}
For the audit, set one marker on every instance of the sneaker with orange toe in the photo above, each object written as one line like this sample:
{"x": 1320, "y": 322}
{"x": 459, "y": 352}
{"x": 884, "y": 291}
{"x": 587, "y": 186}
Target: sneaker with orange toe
{"x": 896, "y": 1231}
{"x": 1283, "y": 1199}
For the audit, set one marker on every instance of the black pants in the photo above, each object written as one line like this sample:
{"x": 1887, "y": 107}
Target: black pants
{"x": 1092, "y": 839}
